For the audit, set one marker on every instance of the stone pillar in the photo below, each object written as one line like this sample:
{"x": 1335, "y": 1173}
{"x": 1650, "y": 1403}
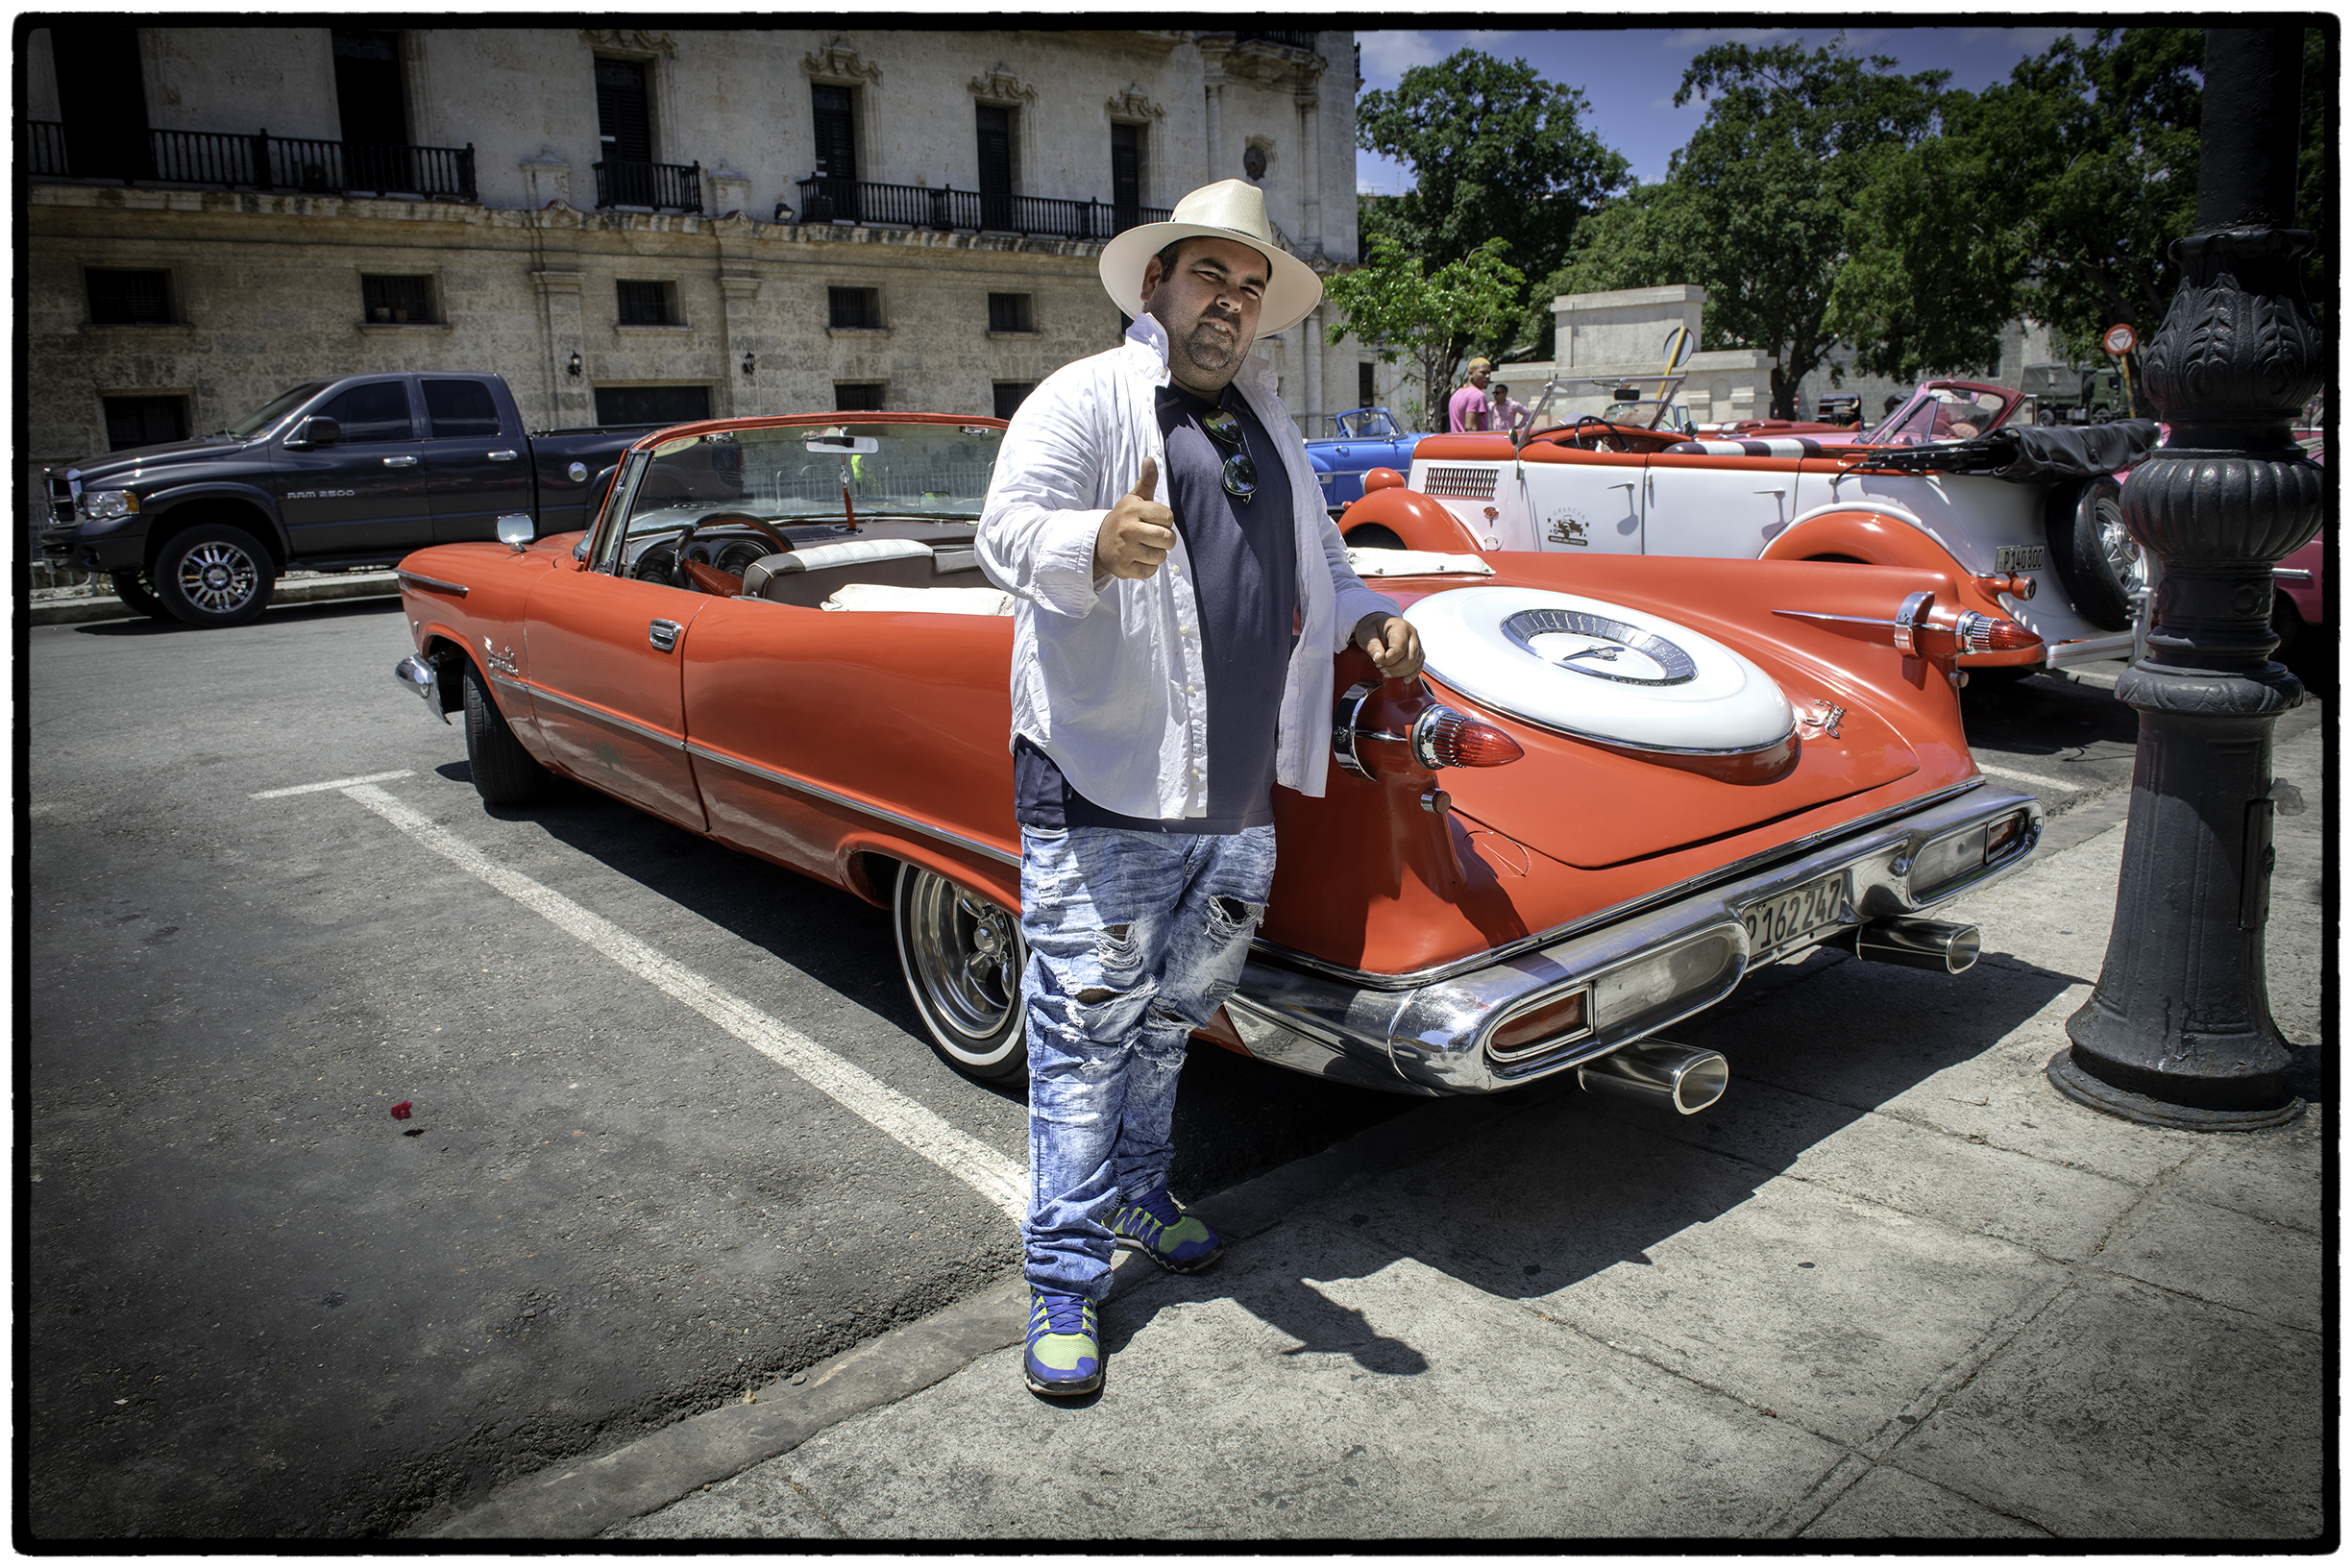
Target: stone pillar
{"x": 1311, "y": 345}
{"x": 1311, "y": 191}
{"x": 2178, "y": 1032}
{"x": 559, "y": 306}
{"x": 1213, "y": 130}
{"x": 741, "y": 336}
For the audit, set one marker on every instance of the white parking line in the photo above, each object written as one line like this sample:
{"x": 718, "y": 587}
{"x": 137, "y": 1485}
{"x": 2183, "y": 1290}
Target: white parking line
{"x": 331, "y": 784}
{"x": 1001, "y": 1181}
{"x": 2018, "y": 775}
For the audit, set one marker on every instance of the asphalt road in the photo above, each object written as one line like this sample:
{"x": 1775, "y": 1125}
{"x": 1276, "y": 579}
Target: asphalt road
{"x": 260, "y": 1305}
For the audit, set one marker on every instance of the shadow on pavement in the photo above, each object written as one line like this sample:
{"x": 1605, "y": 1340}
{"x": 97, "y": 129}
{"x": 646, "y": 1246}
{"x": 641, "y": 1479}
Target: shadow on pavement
{"x": 1566, "y": 1184}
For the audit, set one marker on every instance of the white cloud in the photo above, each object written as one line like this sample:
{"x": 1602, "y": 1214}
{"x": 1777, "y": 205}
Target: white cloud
{"x": 1702, "y": 37}
{"x": 1388, "y": 56}
{"x": 2033, "y": 40}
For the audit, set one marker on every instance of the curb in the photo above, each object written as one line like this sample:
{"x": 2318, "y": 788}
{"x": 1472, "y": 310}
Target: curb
{"x": 582, "y": 1499}
{"x": 65, "y": 612}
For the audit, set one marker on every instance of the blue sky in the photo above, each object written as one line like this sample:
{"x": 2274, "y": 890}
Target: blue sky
{"x": 1628, "y": 76}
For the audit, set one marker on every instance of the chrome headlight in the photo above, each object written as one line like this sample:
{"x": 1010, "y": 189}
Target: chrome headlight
{"x": 102, "y": 504}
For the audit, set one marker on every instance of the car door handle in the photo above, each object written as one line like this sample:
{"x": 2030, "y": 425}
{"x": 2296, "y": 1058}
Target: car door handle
{"x": 1624, "y": 485}
{"x": 1779, "y": 492}
{"x": 664, "y": 634}
{"x": 504, "y": 456}
{"x": 400, "y": 462}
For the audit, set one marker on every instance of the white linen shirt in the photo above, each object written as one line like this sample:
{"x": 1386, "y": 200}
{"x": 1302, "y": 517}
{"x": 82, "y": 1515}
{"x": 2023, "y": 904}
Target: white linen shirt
{"x": 1108, "y": 678}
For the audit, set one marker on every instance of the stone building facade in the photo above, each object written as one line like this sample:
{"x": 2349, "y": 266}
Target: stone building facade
{"x": 635, "y": 223}
{"x": 1620, "y": 336}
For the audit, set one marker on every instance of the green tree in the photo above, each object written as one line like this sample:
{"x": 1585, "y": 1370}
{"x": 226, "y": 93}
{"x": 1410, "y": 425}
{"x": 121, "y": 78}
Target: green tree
{"x": 1754, "y": 208}
{"x": 1497, "y": 154}
{"x": 1400, "y": 310}
{"x": 2055, "y": 195}
{"x": 2099, "y": 176}
{"x": 1934, "y": 262}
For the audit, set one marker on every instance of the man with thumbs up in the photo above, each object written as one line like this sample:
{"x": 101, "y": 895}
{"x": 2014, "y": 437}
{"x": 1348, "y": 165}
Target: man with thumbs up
{"x": 1181, "y": 593}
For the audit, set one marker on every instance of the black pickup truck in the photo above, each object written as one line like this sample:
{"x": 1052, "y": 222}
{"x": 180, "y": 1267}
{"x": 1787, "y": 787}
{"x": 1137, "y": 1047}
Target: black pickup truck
{"x": 328, "y": 476}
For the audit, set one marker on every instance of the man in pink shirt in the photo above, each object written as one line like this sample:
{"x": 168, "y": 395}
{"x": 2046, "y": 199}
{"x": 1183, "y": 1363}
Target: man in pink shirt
{"x": 1467, "y": 410}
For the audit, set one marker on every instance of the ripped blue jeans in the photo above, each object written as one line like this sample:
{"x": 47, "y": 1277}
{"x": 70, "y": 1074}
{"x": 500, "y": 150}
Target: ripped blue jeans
{"x": 1134, "y": 941}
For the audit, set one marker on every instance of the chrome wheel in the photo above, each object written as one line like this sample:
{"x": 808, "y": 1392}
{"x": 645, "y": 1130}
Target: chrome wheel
{"x": 2116, "y": 544}
{"x": 218, "y": 578}
{"x": 213, "y": 574}
{"x": 962, "y": 957}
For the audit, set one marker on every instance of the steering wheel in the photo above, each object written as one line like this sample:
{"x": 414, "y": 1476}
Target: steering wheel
{"x": 682, "y": 570}
{"x": 1605, "y": 439}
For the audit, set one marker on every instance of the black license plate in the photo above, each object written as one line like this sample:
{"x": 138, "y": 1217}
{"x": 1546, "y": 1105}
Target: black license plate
{"x": 1797, "y": 918}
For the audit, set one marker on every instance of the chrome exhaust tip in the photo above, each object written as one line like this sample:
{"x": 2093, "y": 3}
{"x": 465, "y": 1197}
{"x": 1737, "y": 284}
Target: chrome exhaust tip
{"x": 1942, "y": 946}
{"x": 1682, "y": 1076}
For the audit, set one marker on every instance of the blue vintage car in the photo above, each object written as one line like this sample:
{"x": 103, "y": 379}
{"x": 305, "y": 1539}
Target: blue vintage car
{"x": 1363, "y": 439}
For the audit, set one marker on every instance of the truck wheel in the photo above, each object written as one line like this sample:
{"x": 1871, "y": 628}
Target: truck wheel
{"x": 2045, "y": 416}
{"x": 215, "y": 575}
{"x": 134, "y": 590}
{"x": 2096, "y": 557}
{"x": 505, "y": 775}
{"x": 962, "y": 958}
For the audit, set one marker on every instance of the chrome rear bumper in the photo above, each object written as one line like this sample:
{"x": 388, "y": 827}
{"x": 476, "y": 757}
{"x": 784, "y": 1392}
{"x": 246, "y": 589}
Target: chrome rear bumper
{"x": 1431, "y": 1039}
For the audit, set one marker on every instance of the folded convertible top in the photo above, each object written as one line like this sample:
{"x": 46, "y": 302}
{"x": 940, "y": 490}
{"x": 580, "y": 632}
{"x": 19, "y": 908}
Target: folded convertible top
{"x": 2030, "y": 454}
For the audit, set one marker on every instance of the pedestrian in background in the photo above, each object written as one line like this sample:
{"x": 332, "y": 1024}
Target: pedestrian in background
{"x": 1503, "y": 412}
{"x": 1467, "y": 410}
{"x": 1154, "y": 513}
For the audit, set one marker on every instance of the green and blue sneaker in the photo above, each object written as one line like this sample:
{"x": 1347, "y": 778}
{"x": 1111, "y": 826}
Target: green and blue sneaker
{"x": 1179, "y": 1242}
{"x": 1064, "y": 1354}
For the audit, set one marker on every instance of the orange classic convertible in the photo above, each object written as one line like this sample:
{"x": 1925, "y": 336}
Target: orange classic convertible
{"x": 1622, "y": 783}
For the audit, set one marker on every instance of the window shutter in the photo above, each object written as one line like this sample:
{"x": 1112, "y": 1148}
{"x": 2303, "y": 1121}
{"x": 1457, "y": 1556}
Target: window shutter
{"x": 622, "y": 116}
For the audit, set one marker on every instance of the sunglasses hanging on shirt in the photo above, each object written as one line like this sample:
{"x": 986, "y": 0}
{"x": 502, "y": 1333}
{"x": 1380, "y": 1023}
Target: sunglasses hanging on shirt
{"x": 1240, "y": 474}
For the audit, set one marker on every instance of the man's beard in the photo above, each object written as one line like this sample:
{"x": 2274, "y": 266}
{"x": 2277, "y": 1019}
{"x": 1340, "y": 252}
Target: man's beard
{"x": 1210, "y": 352}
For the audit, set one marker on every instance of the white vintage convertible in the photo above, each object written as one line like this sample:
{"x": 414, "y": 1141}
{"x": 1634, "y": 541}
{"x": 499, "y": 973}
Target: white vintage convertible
{"x": 2027, "y": 518}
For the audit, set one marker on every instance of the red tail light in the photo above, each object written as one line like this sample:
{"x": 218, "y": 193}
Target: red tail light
{"x": 1445, "y": 737}
{"x": 1992, "y": 634}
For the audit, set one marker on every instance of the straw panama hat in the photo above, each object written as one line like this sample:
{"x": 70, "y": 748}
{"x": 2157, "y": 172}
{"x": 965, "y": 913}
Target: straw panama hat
{"x": 1230, "y": 209}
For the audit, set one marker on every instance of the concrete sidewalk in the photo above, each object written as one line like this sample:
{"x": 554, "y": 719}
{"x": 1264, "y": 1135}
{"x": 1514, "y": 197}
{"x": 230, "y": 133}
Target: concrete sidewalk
{"x": 1892, "y": 1286}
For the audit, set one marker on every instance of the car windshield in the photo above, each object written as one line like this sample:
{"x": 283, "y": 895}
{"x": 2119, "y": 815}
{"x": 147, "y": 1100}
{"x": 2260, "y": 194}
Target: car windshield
{"x": 1943, "y": 414}
{"x": 1366, "y": 424}
{"x": 276, "y": 409}
{"x": 934, "y": 472}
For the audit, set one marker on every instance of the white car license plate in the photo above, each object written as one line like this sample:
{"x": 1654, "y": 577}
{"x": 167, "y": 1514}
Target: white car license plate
{"x": 1795, "y": 917}
{"x": 2019, "y": 558}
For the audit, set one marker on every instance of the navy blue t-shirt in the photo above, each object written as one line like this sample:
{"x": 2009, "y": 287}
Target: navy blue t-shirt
{"x": 1246, "y": 581}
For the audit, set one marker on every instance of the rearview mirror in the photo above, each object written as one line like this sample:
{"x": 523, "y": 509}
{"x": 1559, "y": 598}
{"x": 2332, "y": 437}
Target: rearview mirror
{"x": 824, "y": 444}
{"x": 318, "y": 430}
{"x": 516, "y": 529}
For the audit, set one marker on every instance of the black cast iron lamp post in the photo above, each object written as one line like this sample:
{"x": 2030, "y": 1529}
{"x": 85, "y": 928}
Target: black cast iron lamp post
{"x": 2178, "y": 1032}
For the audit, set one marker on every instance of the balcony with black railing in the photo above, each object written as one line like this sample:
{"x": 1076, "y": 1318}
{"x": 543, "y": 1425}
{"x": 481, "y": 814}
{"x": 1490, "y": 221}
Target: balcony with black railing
{"x": 237, "y": 161}
{"x": 824, "y": 200}
{"x": 661, "y": 187}
{"x": 1288, "y": 40}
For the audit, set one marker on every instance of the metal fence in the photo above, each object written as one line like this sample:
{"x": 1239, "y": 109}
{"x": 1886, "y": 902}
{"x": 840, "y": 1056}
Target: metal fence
{"x": 940, "y": 207}
{"x": 665, "y": 187}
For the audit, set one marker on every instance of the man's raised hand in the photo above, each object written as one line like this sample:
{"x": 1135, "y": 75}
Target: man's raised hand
{"x": 1137, "y": 533}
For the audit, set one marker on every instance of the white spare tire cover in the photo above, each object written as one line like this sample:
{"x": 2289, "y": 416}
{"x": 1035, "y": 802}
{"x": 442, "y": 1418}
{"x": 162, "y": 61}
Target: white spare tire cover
{"x": 1599, "y": 670}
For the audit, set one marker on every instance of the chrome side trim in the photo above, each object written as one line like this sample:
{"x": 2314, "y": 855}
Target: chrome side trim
{"x": 606, "y": 716}
{"x": 421, "y": 581}
{"x": 1617, "y": 912}
{"x": 696, "y": 749}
